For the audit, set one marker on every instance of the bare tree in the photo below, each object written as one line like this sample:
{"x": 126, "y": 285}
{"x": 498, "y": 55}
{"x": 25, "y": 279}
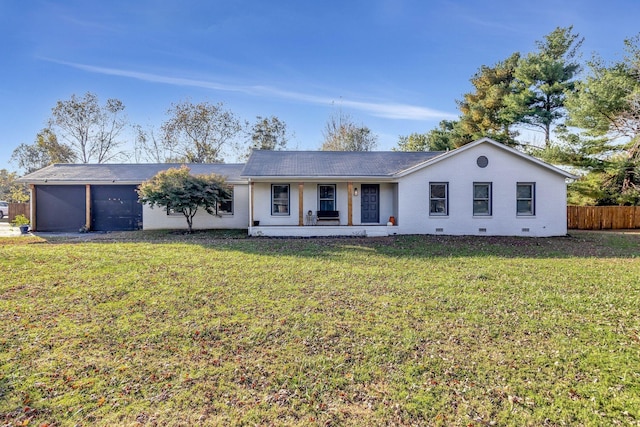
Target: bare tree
{"x": 200, "y": 133}
{"x": 341, "y": 134}
{"x": 150, "y": 147}
{"x": 90, "y": 129}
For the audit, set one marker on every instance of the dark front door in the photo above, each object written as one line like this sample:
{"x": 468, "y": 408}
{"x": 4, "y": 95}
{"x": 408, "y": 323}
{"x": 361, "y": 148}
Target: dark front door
{"x": 370, "y": 203}
{"x": 115, "y": 208}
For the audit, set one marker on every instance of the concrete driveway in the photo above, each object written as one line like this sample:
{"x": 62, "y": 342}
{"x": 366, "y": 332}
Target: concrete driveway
{"x": 6, "y": 230}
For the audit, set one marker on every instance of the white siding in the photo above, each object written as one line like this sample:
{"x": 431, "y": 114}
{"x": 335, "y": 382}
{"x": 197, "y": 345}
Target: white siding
{"x": 408, "y": 201}
{"x": 157, "y": 218}
{"x": 262, "y": 202}
{"x": 504, "y": 171}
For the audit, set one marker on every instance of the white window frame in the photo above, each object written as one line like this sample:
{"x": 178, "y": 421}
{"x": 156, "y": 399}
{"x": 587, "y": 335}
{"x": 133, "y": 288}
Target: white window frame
{"x": 280, "y": 200}
{"x": 487, "y": 200}
{"x": 331, "y": 199}
{"x": 531, "y": 200}
{"x": 432, "y": 199}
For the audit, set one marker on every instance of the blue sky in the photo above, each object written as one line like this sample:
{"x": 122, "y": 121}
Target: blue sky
{"x": 395, "y": 66}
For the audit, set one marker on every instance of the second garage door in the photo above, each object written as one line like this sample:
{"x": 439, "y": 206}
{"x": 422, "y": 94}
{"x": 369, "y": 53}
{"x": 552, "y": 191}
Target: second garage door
{"x": 115, "y": 208}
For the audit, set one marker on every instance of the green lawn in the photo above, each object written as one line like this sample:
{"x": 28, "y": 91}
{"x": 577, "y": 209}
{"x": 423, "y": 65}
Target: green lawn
{"x": 214, "y": 329}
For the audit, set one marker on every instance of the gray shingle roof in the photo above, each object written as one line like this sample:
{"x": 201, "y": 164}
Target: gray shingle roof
{"x": 333, "y": 163}
{"x": 260, "y": 164}
{"x": 130, "y": 173}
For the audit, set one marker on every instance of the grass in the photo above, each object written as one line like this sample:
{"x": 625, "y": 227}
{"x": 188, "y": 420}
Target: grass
{"x": 159, "y": 328}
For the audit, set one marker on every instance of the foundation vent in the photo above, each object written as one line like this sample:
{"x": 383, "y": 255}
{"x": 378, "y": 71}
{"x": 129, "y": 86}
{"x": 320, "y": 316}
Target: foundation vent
{"x": 482, "y": 230}
{"x": 525, "y": 230}
{"x": 439, "y": 230}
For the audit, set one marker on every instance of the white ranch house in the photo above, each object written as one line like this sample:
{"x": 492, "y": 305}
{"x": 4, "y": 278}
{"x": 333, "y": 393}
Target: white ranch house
{"x": 482, "y": 188}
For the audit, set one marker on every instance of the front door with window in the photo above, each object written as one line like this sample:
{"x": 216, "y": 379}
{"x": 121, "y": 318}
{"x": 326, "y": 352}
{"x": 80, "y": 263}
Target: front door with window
{"x": 370, "y": 203}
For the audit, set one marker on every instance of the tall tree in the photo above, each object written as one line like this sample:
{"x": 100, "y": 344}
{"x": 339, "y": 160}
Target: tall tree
{"x": 606, "y": 110}
{"x": 543, "y": 79}
{"x": 268, "y": 133}
{"x": 149, "y": 147}
{"x": 45, "y": 151}
{"x": 91, "y": 130}
{"x": 341, "y": 134}
{"x": 413, "y": 142}
{"x": 484, "y": 112}
{"x": 177, "y": 189}
{"x": 200, "y": 133}
{"x": 446, "y": 136}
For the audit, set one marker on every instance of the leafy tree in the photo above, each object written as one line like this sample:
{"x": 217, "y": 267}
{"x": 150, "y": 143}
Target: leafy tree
{"x": 605, "y": 108}
{"x": 542, "y": 81}
{"x": 199, "y": 133}
{"x": 341, "y": 134}
{"x": 484, "y": 111}
{"x": 90, "y": 129}
{"x": 177, "y": 189}
{"x": 413, "y": 142}
{"x": 45, "y": 151}
{"x": 446, "y": 136}
{"x": 10, "y": 190}
{"x": 268, "y": 133}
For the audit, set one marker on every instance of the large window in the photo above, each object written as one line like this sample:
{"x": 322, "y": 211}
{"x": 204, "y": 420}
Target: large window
{"x": 481, "y": 198}
{"x": 225, "y": 206}
{"x": 525, "y": 199}
{"x": 280, "y": 199}
{"x": 438, "y": 198}
{"x": 326, "y": 197}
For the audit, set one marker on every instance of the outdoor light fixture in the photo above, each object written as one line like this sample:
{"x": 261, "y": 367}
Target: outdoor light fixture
{"x": 355, "y": 191}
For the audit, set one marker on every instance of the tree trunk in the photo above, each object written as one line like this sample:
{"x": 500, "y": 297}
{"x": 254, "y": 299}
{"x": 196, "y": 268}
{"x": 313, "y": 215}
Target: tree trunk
{"x": 189, "y": 223}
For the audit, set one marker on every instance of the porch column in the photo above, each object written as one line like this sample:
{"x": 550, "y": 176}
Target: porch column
{"x": 87, "y": 220}
{"x": 300, "y": 204}
{"x": 350, "y": 204}
{"x": 251, "y": 204}
{"x": 32, "y": 207}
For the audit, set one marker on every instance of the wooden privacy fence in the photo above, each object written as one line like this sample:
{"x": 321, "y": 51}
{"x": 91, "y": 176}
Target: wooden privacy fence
{"x": 603, "y": 217}
{"x": 18, "y": 209}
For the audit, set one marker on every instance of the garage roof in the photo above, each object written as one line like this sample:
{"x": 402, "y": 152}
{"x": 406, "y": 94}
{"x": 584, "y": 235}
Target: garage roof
{"x": 124, "y": 173}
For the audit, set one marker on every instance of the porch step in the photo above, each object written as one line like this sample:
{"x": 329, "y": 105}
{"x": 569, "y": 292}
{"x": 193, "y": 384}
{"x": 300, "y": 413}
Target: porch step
{"x": 327, "y": 221}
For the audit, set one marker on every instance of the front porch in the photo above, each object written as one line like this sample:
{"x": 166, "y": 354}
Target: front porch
{"x": 323, "y": 231}
{"x": 320, "y": 208}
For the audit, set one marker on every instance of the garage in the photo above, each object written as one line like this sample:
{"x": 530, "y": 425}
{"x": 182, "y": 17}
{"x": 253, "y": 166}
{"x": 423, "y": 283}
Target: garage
{"x": 60, "y": 207}
{"x": 102, "y": 197}
{"x": 115, "y": 208}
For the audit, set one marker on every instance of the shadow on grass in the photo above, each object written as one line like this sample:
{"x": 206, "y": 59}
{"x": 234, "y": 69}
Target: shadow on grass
{"x": 581, "y": 244}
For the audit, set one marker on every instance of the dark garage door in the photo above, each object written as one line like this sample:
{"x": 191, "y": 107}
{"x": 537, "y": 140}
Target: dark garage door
{"x": 60, "y": 207}
{"x": 115, "y": 208}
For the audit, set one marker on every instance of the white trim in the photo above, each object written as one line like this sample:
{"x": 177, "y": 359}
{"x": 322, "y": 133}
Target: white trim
{"x": 490, "y": 141}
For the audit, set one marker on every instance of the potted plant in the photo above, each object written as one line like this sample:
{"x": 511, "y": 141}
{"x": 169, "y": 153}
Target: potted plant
{"x": 22, "y": 222}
